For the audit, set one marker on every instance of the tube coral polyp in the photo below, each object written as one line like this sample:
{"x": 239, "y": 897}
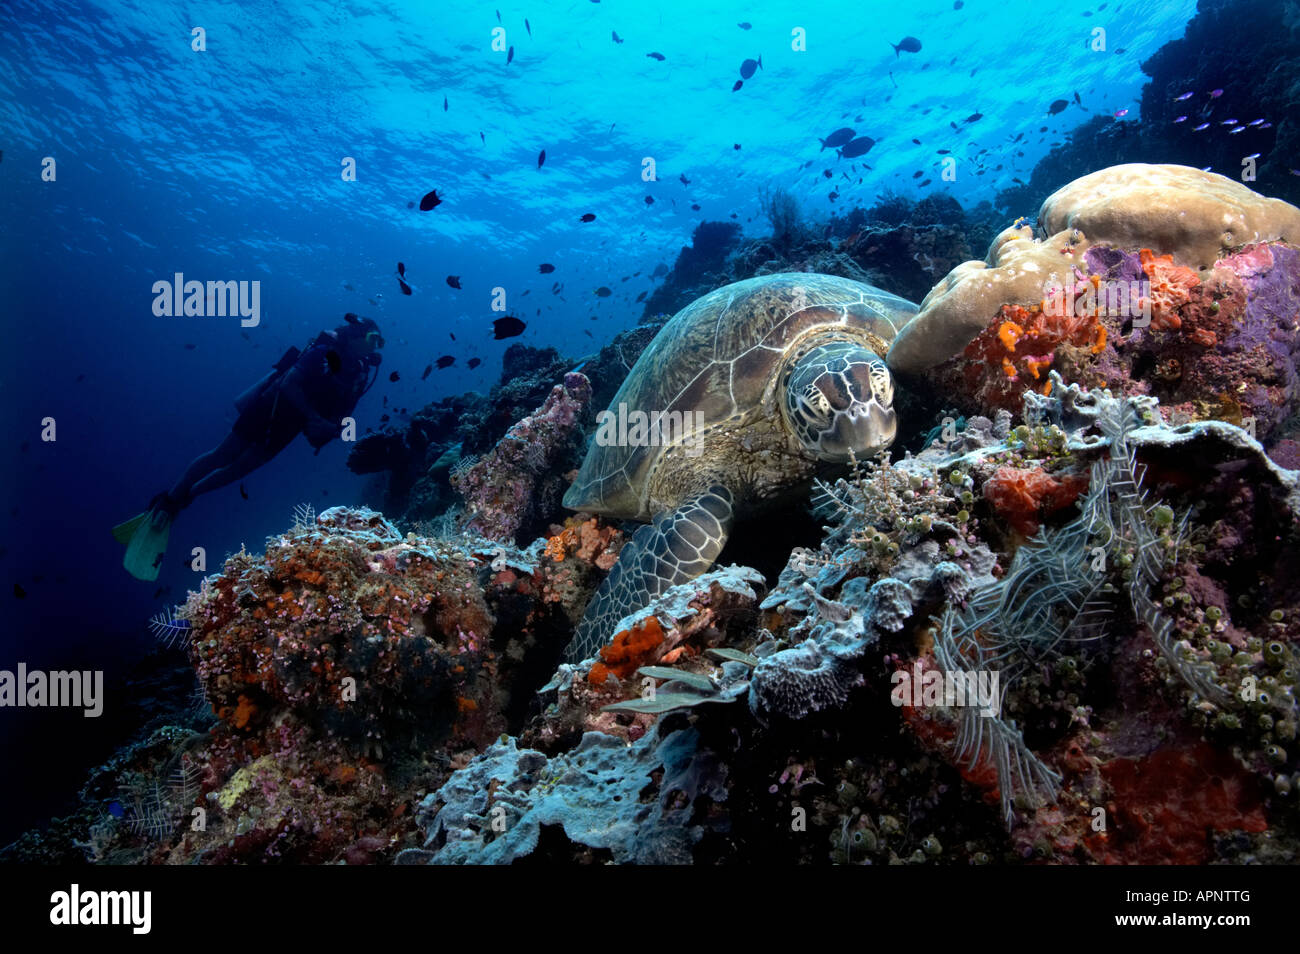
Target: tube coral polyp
{"x": 1022, "y": 342}
{"x": 629, "y": 649}
{"x": 1171, "y": 287}
{"x": 1022, "y": 496}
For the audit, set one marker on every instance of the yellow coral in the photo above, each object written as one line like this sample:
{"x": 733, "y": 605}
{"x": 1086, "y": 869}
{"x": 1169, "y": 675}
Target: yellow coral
{"x": 241, "y": 781}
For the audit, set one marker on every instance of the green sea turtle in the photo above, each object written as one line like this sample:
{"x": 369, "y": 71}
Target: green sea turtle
{"x": 744, "y": 395}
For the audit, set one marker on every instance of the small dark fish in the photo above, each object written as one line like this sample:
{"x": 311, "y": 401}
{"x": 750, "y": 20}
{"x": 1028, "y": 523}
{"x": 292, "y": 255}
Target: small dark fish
{"x": 944, "y": 152}
{"x": 603, "y": 292}
{"x": 541, "y": 158}
{"x": 394, "y": 377}
{"x": 427, "y": 369}
{"x": 190, "y": 347}
{"x": 473, "y": 363}
{"x": 694, "y": 207}
{"x": 446, "y": 361}
{"x": 908, "y": 44}
{"x": 498, "y": 16}
{"x": 838, "y": 138}
{"x": 924, "y": 183}
{"x": 916, "y": 142}
{"x": 748, "y": 67}
{"x": 406, "y": 289}
{"x": 589, "y": 217}
{"x": 430, "y": 201}
{"x": 507, "y": 327}
{"x": 735, "y": 146}
{"x": 826, "y": 173}
{"x": 614, "y": 34}
{"x": 641, "y": 297}
{"x": 974, "y": 118}
{"x": 858, "y": 147}
{"x": 546, "y": 268}
{"x": 527, "y": 27}
{"x": 80, "y": 378}
{"x": 453, "y": 281}
{"x": 657, "y": 56}
{"x": 384, "y": 418}
{"x": 738, "y": 84}
{"x": 451, "y": 335}
{"x": 683, "y": 180}
{"x": 242, "y": 492}
{"x": 482, "y": 139}
{"x": 745, "y": 26}
{"x": 1058, "y": 105}
{"x": 917, "y": 174}
{"x": 1119, "y": 50}
{"x": 1077, "y": 100}
{"x": 444, "y": 104}
{"x": 833, "y": 196}
{"x": 510, "y": 56}
{"x": 21, "y": 593}
{"x": 958, "y": 4}
{"x": 649, "y": 200}
{"x": 401, "y": 271}
{"x": 1042, "y": 129}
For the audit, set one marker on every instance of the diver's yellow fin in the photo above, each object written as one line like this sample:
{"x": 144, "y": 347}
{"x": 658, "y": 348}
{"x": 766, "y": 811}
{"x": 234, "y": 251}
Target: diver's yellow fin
{"x": 123, "y": 532}
{"x": 147, "y": 545}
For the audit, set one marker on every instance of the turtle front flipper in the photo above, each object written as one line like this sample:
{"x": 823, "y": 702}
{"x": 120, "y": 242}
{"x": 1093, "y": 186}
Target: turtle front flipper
{"x": 680, "y": 545}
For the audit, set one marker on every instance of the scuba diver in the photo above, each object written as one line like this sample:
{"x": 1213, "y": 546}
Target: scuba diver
{"x": 309, "y": 392}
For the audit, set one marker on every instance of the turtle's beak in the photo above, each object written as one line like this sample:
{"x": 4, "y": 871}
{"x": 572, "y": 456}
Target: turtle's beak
{"x": 863, "y": 428}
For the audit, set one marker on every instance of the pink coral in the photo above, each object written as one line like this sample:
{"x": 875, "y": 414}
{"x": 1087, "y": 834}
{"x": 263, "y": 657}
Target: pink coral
{"x": 500, "y": 488}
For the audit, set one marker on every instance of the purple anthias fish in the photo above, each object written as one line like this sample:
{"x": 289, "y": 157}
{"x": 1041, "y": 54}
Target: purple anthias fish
{"x": 1186, "y": 95}
{"x": 1181, "y": 119}
{"x": 1201, "y": 126}
{"x": 1233, "y": 132}
{"x": 1228, "y": 122}
{"x": 1254, "y": 122}
{"x": 1215, "y": 93}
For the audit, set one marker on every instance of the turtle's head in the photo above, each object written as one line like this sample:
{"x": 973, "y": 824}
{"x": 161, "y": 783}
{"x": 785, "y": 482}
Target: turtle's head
{"x": 840, "y": 399}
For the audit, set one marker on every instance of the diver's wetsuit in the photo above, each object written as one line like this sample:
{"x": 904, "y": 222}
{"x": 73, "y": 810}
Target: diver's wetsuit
{"x": 310, "y": 394}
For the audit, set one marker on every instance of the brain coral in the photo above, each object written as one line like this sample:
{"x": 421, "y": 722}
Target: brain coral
{"x": 1194, "y": 216}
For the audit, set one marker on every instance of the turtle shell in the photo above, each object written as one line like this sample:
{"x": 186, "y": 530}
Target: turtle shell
{"x": 721, "y": 357}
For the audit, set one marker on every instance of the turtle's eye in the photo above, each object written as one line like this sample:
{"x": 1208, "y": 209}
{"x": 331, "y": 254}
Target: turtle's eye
{"x": 814, "y": 405}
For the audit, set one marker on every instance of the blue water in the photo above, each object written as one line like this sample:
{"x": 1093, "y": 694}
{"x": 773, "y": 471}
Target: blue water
{"x": 225, "y": 164}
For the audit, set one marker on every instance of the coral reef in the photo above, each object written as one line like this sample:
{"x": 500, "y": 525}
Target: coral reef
{"x": 492, "y": 811}
{"x": 514, "y": 487}
{"x": 1196, "y": 304}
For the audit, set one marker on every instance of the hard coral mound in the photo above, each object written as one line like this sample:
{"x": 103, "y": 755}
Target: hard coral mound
{"x": 1194, "y": 216}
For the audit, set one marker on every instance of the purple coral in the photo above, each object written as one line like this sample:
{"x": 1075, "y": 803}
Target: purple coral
{"x": 500, "y": 488}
